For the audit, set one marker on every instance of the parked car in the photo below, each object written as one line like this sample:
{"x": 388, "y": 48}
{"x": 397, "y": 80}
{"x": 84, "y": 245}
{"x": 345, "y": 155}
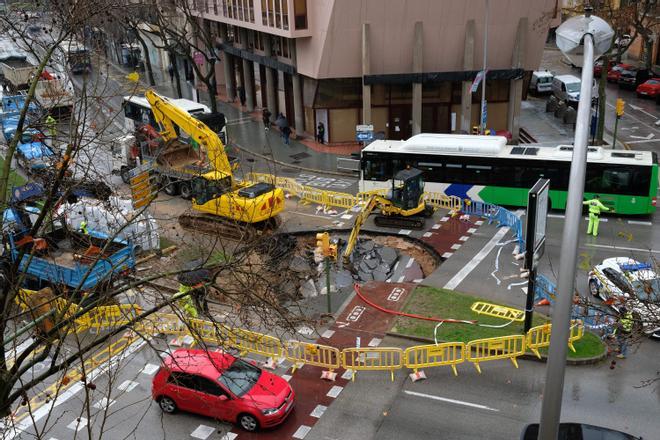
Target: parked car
{"x": 623, "y": 281}
{"x": 615, "y": 72}
{"x": 578, "y": 431}
{"x": 650, "y": 88}
{"x": 567, "y": 88}
{"x": 598, "y": 67}
{"x": 541, "y": 82}
{"x": 628, "y": 78}
{"x": 218, "y": 385}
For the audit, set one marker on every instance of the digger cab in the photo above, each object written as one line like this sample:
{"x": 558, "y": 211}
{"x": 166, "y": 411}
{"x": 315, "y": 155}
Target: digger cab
{"x": 407, "y": 188}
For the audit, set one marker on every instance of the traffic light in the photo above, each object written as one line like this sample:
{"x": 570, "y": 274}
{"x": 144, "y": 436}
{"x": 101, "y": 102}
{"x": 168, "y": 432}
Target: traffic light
{"x": 619, "y": 107}
{"x": 324, "y": 246}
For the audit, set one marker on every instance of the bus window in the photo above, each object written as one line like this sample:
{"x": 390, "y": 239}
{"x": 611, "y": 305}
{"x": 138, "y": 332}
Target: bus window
{"x": 478, "y": 174}
{"x": 377, "y": 169}
{"x": 618, "y": 179}
{"x": 454, "y": 173}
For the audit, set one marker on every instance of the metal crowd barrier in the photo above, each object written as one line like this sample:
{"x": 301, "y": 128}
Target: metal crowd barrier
{"x": 372, "y": 359}
{"x": 312, "y": 354}
{"x": 490, "y": 349}
{"x": 447, "y": 353}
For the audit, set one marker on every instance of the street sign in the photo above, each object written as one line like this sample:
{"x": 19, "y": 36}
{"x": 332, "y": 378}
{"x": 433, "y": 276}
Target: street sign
{"x": 537, "y": 214}
{"x": 364, "y": 133}
{"x": 484, "y": 114}
{"x": 477, "y": 80}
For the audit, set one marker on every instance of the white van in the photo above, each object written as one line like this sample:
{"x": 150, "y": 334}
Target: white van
{"x": 567, "y": 88}
{"x": 108, "y": 218}
{"x": 541, "y": 81}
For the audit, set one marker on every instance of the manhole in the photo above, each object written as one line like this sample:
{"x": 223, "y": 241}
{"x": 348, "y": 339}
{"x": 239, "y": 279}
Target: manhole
{"x": 299, "y": 156}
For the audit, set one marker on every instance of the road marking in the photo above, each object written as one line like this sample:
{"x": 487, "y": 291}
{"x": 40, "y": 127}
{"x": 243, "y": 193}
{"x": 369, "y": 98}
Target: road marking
{"x": 645, "y": 141}
{"x": 405, "y": 232}
{"x": 77, "y": 424}
{"x": 403, "y": 277}
{"x": 305, "y": 330}
{"x": 556, "y": 216}
{"x": 464, "y": 238}
{"x": 472, "y": 230}
{"x": 203, "y": 432}
{"x": 447, "y": 255}
{"x": 465, "y": 271}
{"x": 149, "y": 369}
{"x": 348, "y": 374}
{"x": 410, "y": 263}
{"x": 302, "y": 431}
{"x": 427, "y": 234}
{"x": 444, "y": 219}
{"x": 637, "y": 222}
{"x": 104, "y": 403}
{"x": 287, "y": 377}
{"x": 646, "y": 138}
{"x": 456, "y": 402}
{"x": 375, "y": 342}
{"x": 603, "y": 220}
{"x": 479, "y": 222}
{"x": 127, "y": 386}
{"x": 639, "y": 109}
{"x": 334, "y": 391}
{"x": 456, "y": 246}
{"x": 229, "y": 436}
{"x": 347, "y": 216}
{"x": 436, "y": 226}
{"x": 318, "y": 411}
{"x": 623, "y": 248}
{"x": 328, "y": 334}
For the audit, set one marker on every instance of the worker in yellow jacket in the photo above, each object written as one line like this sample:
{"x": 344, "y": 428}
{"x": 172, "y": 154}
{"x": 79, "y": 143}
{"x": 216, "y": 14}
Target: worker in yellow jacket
{"x": 595, "y": 208}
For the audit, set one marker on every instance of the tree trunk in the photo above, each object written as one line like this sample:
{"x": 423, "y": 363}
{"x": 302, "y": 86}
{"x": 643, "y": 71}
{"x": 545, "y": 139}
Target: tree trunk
{"x": 147, "y": 58}
{"x": 213, "y": 87}
{"x": 602, "y": 104}
{"x": 648, "y": 53}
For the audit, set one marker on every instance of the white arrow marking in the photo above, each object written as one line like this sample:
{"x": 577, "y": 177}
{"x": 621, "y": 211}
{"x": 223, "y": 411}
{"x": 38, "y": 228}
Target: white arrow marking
{"x": 639, "y": 109}
{"x": 649, "y": 137}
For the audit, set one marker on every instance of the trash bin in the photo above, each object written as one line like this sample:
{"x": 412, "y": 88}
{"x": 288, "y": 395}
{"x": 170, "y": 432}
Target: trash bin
{"x": 570, "y": 116}
{"x": 551, "y": 104}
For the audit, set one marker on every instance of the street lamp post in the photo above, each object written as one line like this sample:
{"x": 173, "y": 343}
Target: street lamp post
{"x": 593, "y": 35}
{"x": 482, "y": 122}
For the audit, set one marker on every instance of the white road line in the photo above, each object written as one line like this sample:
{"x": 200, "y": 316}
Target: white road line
{"x": 556, "y": 216}
{"x": 302, "y": 431}
{"x": 203, "y": 432}
{"x": 149, "y": 369}
{"x": 456, "y": 402}
{"x": 229, "y": 436}
{"x": 638, "y": 222}
{"x": 623, "y": 248}
{"x": 644, "y": 141}
{"x": 447, "y": 255}
{"x": 465, "y": 271}
{"x": 410, "y": 263}
{"x": 456, "y": 246}
{"x": 77, "y": 424}
{"x": 127, "y": 386}
{"x": 334, "y": 391}
{"x": 318, "y": 411}
{"x": 375, "y": 342}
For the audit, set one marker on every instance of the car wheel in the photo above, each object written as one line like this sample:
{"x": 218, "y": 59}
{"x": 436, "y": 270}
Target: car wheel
{"x": 593, "y": 287}
{"x": 185, "y": 190}
{"x": 248, "y": 422}
{"x": 167, "y": 404}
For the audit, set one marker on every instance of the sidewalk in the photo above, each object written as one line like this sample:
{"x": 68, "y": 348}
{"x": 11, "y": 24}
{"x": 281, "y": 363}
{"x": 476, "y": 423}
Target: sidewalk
{"x": 246, "y": 131}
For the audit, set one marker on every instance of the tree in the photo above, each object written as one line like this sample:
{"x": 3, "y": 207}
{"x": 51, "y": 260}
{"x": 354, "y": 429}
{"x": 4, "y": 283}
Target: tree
{"x": 243, "y": 273}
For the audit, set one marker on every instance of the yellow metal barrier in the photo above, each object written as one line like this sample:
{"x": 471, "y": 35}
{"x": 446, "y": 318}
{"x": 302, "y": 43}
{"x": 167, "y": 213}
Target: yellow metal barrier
{"x": 312, "y": 354}
{"x": 424, "y": 356}
{"x": 539, "y": 337}
{"x": 576, "y": 333}
{"x": 252, "y": 342}
{"x": 490, "y": 349}
{"x": 484, "y": 308}
{"x": 113, "y": 316}
{"x": 372, "y": 359}
{"x": 439, "y": 200}
{"x": 162, "y": 323}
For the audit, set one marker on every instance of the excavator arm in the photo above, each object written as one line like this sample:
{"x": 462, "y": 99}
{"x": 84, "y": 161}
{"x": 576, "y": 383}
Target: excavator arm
{"x": 372, "y": 203}
{"x": 169, "y": 116}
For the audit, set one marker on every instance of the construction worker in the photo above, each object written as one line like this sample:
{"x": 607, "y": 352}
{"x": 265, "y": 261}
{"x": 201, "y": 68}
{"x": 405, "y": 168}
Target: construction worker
{"x": 51, "y": 123}
{"x": 186, "y": 302}
{"x": 83, "y": 227}
{"x": 595, "y": 208}
{"x": 622, "y": 331}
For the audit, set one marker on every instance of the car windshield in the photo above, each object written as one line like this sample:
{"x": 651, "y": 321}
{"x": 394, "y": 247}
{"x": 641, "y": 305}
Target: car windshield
{"x": 628, "y": 73}
{"x": 573, "y": 87}
{"x": 617, "y": 69}
{"x": 240, "y": 377}
{"x": 652, "y": 82}
{"x": 647, "y": 290}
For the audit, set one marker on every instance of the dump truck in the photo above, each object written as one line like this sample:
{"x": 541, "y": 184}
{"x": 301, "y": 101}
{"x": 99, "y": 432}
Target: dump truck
{"x": 17, "y": 71}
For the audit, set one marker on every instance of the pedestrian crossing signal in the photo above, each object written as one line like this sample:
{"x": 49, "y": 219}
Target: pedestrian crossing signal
{"x": 620, "y": 103}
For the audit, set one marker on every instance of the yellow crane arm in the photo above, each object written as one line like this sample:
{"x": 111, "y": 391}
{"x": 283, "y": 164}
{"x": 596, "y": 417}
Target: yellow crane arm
{"x": 362, "y": 217}
{"x": 169, "y": 115}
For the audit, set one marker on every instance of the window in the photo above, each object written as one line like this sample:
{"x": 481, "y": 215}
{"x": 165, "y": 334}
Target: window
{"x": 285, "y": 15}
{"x": 379, "y": 169}
{"x": 300, "y": 12}
{"x": 207, "y": 386}
{"x": 618, "y": 179}
{"x": 278, "y": 14}
{"x": 184, "y": 380}
{"x": 240, "y": 377}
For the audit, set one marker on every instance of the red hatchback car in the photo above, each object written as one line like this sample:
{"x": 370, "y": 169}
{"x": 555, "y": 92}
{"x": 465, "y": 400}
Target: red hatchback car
{"x": 615, "y": 72}
{"x": 218, "y": 385}
{"x": 650, "y": 88}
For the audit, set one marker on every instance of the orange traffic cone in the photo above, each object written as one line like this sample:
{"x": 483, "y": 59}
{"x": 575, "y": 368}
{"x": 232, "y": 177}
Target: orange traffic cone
{"x": 543, "y": 302}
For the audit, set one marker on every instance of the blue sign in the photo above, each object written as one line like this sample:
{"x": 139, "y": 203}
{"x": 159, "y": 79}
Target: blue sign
{"x": 364, "y": 136}
{"x": 484, "y": 114}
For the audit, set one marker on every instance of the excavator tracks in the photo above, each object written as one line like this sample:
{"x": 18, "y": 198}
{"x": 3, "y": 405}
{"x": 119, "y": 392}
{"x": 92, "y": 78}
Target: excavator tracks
{"x": 226, "y": 228}
{"x": 399, "y": 222}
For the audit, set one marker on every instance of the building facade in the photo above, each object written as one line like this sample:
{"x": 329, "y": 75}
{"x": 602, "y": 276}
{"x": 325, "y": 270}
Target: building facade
{"x": 404, "y": 66}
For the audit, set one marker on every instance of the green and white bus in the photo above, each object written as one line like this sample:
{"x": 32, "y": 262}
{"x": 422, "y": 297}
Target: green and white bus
{"x": 484, "y": 168}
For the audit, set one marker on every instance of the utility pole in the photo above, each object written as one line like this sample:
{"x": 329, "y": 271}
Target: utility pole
{"x": 482, "y": 125}
{"x": 620, "y": 105}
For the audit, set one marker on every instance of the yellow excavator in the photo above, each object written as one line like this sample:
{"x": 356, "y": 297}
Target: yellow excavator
{"x": 403, "y": 207}
{"x": 228, "y": 207}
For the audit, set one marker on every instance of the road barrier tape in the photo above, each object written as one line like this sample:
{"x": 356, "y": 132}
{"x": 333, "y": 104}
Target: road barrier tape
{"x": 372, "y": 359}
{"x": 435, "y": 355}
{"x": 490, "y": 349}
{"x": 318, "y": 355}
{"x": 496, "y": 311}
